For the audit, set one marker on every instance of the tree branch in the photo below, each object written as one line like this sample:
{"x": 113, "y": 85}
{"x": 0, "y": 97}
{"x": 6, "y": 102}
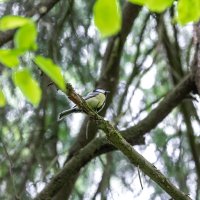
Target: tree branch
{"x": 115, "y": 138}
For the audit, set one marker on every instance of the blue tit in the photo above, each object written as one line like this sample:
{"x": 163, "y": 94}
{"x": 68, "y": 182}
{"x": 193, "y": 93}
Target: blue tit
{"x": 95, "y": 100}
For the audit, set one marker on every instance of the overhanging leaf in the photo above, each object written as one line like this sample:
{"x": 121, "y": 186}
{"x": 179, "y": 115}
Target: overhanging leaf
{"x": 28, "y": 86}
{"x": 10, "y": 57}
{"x": 156, "y": 6}
{"x": 138, "y": 2}
{"x": 188, "y": 11}
{"x": 159, "y": 6}
{"x": 51, "y": 70}
{"x": 107, "y": 17}
{"x": 2, "y": 99}
{"x": 11, "y": 22}
{"x": 26, "y": 36}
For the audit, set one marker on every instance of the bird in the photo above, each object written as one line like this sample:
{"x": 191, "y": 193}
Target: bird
{"x": 95, "y": 100}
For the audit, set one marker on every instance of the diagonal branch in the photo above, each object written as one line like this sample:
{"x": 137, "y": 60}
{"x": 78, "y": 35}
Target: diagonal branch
{"x": 164, "y": 108}
{"x": 115, "y": 138}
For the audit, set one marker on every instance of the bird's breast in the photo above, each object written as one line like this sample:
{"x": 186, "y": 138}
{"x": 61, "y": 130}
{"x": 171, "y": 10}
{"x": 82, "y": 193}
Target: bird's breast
{"x": 97, "y": 101}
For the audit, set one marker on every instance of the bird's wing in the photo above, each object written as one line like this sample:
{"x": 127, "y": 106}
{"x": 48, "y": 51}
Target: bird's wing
{"x": 90, "y": 95}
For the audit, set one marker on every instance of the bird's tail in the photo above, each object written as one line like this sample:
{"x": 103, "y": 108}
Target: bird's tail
{"x": 67, "y": 112}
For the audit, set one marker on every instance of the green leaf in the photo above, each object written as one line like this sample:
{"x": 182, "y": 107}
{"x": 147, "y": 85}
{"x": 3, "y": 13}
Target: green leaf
{"x": 10, "y": 57}
{"x": 159, "y": 6}
{"x": 28, "y": 86}
{"x": 2, "y": 99}
{"x": 107, "y": 17}
{"x": 138, "y": 2}
{"x": 11, "y": 22}
{"x": 188, "y": 11}
{"x": 52, "y": 70}
{"x": 25, "y": 37}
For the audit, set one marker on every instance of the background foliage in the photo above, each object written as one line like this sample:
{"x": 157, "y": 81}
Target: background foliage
{"x": 149, "y": 55}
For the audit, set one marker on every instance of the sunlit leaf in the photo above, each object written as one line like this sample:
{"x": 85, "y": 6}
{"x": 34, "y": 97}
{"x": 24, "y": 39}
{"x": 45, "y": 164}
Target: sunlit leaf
{"x": 188, "y": 11}
{"x": 159, "y": 6}
{"x": 11, "y": 22}
{"x": 52, "y": 70}
{"x": 28, "y": 86}
{"x": 10, "y": 57}
{"x": 156, "y": 6}
{"x": 26, "y": 36}
{"x": 107, "y": 17}
{"x": 138, "y": 2}
{"x": 2, "y": 99}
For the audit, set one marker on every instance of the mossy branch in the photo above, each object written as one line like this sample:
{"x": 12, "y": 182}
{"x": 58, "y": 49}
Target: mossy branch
{"x": 120, "y": 143}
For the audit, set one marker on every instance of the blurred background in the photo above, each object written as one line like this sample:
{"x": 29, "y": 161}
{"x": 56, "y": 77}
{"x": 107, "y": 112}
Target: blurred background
{"x": 140, "y": 65}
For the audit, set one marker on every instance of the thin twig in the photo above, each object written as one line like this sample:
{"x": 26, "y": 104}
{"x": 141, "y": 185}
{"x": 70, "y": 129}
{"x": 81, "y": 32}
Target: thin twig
{"x": 138, "y": 169}
{"x": 87, "y": 129}
{"x": 10, "y": 169}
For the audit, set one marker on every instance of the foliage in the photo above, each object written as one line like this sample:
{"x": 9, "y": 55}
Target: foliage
{"x": 107, "y": 17}
{"x": 10, "y": 57}
{"x": 11, "y": 22}
{"x": 187, "y": 11}
{"x": 159, "y": 6}
{"x": 2, "y": 99}
{"x": 25, "y": 37}
{"x": 27, "y": 85}
{"x": 63, "y": 42}
{"x": 52, "y": 70}
{"x": 25, "y": 41}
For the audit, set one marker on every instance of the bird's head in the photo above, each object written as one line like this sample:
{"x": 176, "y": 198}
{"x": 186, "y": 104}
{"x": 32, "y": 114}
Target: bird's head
{"x": 105, "y": 92}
